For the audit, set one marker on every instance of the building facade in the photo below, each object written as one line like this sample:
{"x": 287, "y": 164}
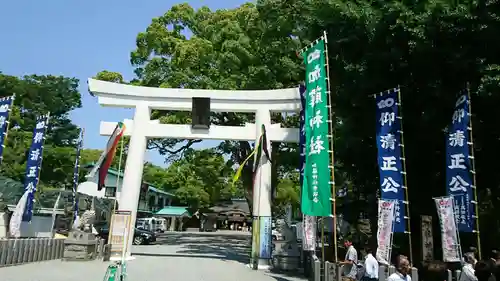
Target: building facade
{"x": 151, "y": 199}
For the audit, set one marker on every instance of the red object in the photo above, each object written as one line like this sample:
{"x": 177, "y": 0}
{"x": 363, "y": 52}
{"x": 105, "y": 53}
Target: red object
{"x": 109, "y": 154}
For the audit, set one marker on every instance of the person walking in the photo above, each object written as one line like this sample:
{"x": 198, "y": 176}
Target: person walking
{"x": 350, "y": 262}
{"x": 371, "y": 266}
{"x": 402, "y": 270}
{"x": 467, "y": 273}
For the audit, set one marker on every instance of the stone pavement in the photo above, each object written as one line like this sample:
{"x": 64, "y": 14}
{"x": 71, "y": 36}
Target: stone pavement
{"x": 178, "y": 256}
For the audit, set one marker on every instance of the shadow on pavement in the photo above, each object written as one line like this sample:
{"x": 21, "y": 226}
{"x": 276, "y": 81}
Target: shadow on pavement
{"x": 199, "y": 238}
{"x": 223, "y": 247}
{"x": 241, "y": 259}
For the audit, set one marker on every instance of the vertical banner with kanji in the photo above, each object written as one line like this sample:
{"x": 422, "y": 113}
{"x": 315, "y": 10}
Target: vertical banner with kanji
{"x": 76, "y": 170}
{"x": 385, "y": 228}
{"x": 33, "y": 164}
{"x": 316, "y": 189}
{"x": 5, "y": 108}
{"x": 389, "y": 153}
{"x": 458, "y": 164}
{"x": 449, "y": 234}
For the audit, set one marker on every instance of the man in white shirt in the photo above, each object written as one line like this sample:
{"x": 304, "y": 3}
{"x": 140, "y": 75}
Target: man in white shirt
{"x": 371, "y": 266}
{"x": 402, "y": 270}
{"x": 468, "y": 271}
{"x": 350, "y": 263}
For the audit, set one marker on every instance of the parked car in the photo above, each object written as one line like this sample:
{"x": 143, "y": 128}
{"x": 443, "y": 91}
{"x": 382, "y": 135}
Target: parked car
{"x": 141, "y": 236}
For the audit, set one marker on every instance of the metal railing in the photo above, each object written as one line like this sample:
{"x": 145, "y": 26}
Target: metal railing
{"x": 21, "y": 251}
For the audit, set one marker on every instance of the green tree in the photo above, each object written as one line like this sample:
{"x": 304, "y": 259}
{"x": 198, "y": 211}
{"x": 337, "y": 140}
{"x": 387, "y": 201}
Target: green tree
{"x": 200, "y": 178}
{"x": 37, "y": 95}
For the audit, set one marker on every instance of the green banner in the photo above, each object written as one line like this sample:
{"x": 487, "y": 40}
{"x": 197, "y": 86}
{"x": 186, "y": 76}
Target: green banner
{"x": 316, "y": 189}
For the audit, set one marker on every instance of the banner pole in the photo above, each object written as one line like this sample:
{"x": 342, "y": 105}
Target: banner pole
{"x": 473, "y": 171}
{"x": 405, "y": 181}
{"x": 11, "y": 110}
{"x": 459, "y": 246}
{"x": 331, "y": 136}
{"x": 117, "y": 178}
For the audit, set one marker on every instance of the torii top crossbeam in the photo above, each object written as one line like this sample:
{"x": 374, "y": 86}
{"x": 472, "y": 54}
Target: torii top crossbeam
{"x": 121, "y": 95}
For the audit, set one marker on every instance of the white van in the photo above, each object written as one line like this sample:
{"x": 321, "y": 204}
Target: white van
{"x": 152, "y": 224}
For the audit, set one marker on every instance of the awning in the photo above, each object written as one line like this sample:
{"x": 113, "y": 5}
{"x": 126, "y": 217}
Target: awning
{"x": 170, "y": 211}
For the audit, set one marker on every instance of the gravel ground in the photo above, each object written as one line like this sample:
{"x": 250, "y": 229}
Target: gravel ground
{"x": 176, "y": 256}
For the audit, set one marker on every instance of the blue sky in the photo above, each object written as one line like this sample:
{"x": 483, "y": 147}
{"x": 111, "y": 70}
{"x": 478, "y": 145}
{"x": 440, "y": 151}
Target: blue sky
{"x": 79, "y": 39}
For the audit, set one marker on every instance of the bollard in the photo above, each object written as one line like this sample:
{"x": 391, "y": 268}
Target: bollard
{"x": 61, "y": 248}
{"x": 382, "y": 272}
{"x": 414, "y": 273}
{"x": 39, "y": 250}
{"x": 15, "y": 251}
{"x": 58, "y": 249}
{"x": 20, "y": 251}
{"x": 29, "y": 247}
{"x": 26, "y": 250}
{"x": 316, "y": 269}
{"x": 51, "y": 249}
{"x": 44, "y": 249}
{"x": 55, "y": 249}
{"x": 392, "y": 269}
{"x": 55, "y": 246}
{"x": 458, "y": 272}
{"x": 330, "y": 271}
{"x": 101, "y": 247}
{"x": 3, "y": 252}
{"x": 10, "y": 251}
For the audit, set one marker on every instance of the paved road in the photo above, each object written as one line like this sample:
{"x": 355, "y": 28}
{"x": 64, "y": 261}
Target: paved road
{"x": 176, "y": 256}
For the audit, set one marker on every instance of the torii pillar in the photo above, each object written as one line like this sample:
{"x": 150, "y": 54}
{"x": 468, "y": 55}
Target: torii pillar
{"x": 145, "y": 99}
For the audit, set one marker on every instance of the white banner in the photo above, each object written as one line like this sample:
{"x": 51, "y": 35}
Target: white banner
{"x": 449, "y": 234}
{"x": 385, "y": 228}
{"x": 15, "y": 220}
{"x": 309, "y": 233}
{"x": 427, "y": 238}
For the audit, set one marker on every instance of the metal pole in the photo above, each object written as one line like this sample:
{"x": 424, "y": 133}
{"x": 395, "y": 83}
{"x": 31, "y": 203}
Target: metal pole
{"x": 473, "y": 171}
{"x": 403, "y": 159}
{"x": 117, "y": 182}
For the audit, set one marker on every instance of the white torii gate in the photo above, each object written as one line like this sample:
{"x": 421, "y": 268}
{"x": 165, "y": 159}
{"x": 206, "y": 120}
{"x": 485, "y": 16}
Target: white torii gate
{"x": 145, "y": 99}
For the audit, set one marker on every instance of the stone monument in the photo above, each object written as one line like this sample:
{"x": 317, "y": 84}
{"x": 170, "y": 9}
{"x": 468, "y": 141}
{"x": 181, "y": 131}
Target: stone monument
{"x": 286, "y": 255}
{"x": 81, "y": 244}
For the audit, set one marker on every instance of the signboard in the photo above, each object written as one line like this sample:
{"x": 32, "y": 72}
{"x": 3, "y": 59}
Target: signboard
{"x": 119, "y": 233}
{"x": 449, "y": 231}
{"x": 265, "y": 238}
{"x": 386, "y": 218}
{"x": 427, "y": 238}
